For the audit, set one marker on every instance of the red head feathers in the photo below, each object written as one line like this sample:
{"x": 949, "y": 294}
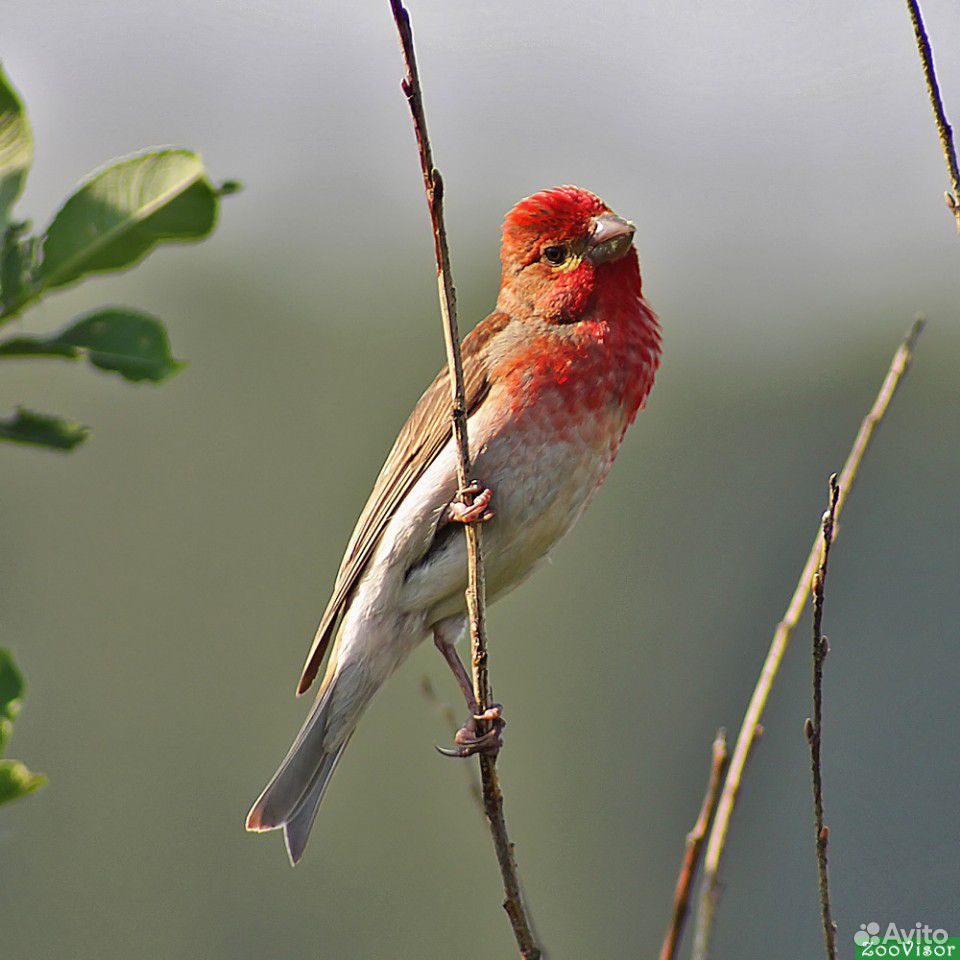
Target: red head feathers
{"x": 561, "y": 249}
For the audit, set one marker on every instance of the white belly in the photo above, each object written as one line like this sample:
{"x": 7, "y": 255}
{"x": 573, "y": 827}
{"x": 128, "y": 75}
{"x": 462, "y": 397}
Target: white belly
{"x": 540, "y": 488}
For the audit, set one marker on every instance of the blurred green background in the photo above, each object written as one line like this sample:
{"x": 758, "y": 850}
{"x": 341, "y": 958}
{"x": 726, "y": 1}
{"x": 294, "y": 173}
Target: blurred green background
{"x": 161, "y": 584}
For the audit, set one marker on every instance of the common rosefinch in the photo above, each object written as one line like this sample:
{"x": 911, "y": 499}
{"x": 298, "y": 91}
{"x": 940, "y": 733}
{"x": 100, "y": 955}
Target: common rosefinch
{"x": 553, "y": 377}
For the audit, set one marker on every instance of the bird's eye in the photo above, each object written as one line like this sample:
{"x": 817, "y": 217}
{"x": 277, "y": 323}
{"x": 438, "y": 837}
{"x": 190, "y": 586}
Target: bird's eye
{"x": 555, "y": 254}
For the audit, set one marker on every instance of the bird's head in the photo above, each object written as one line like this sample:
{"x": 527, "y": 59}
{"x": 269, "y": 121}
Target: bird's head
{"x": 561, "y": 249}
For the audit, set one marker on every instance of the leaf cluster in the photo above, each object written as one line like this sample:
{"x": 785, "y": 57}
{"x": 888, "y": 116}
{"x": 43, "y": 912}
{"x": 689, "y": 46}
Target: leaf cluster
{"x": 15, "y": 779}
{"x": 114, "y": 218}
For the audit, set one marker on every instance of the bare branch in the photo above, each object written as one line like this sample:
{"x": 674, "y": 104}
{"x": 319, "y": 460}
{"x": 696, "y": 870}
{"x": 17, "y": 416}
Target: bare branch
{"x": 814, "y": 728}
{"x": 709, "y": 889}
{"x": 450, "y": 720}
{"x": 944, "y": 130}
{"x": 694, "y": 845}
{"x": 476, "y": 594}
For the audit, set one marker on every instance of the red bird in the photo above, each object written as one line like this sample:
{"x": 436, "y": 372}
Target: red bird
{"x": 553, "y": 377}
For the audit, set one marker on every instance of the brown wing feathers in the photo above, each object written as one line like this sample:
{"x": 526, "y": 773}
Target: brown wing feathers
{"x": 422, "y": 437}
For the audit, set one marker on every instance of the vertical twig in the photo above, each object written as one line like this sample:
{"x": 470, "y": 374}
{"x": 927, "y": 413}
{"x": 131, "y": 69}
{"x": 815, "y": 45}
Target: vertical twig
{"x": 693, "y": 847}
{"x": 814, "y": 728}
{"x": 492, "y": 794}
{"x": 944, "y": 130}
{"x": 450, "y": 719}
{"x": 710, "y": 886}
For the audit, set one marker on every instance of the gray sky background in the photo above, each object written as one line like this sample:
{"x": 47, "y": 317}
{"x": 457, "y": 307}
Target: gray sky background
{"x": 781, "y": 162}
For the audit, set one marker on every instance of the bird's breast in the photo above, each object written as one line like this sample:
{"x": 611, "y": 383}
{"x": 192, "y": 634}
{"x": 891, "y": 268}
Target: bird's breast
{"x": 543, "y": 441}
{"x": 585, "y": 380}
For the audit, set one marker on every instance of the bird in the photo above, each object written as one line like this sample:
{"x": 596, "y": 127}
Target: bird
{"x": 553, "y": 378}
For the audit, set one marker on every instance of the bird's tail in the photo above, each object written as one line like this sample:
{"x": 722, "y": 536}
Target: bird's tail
{"x": 291, "y": 798}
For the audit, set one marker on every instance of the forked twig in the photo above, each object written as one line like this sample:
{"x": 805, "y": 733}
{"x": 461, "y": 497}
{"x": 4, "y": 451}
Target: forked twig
{"x": 694, "y": 846}
{"x": 944, "y": 130}
{"x": 814, "y": 728}
{"x": 709, "y": 889}
{"x": 492, "y": 794}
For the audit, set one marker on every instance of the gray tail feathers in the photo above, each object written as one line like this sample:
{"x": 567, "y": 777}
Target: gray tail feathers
{"x": 291, "y": 798}
{"x": 296, "y": 831}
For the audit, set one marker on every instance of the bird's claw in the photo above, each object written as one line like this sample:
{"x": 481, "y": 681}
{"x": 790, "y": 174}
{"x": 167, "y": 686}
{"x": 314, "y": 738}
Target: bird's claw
{"x": 475, "y": 512}
{"x": 468, "y": 740}
{"x": 492, "y": 713}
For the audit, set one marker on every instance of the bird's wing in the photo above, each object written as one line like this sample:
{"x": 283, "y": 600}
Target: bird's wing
{"x": 420, "y": 440}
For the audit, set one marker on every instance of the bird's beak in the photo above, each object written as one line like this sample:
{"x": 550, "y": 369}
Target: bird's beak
{"x": 611, "y": 238}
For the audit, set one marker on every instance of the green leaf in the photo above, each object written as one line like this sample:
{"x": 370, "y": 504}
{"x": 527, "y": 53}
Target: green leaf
{"x": 16, "y": 148}
{"x": 229, "y": 187}
{"x": 121, "y": 213}
{"x": 17, "y": 781}
{"x": 17, "y": 256}
{"x": 125, "y": 341}
{"x": 129, "y": 342}
{"x": 11, "y": 691}
{"x": 42, "y": 430}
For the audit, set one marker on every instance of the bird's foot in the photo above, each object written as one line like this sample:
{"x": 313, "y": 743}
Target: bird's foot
{"x": 468, "y": 739}
{"x": 475, "y": 512}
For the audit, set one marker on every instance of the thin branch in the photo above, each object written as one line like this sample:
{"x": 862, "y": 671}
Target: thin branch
{"x": 709, "y": 890}
{"x": 476, "y": 606}
{"x": 944, "y": 130}
{"x": 814, "y": 728}
{"x": 450, "y": 719}
{"x": 694, "y": 845}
